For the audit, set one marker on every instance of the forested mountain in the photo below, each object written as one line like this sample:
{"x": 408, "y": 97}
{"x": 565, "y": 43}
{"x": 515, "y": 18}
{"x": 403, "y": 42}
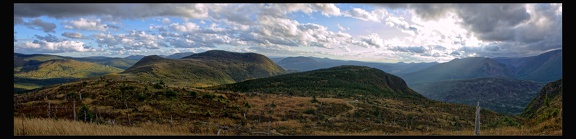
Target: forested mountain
{"x": 503, "y": 95}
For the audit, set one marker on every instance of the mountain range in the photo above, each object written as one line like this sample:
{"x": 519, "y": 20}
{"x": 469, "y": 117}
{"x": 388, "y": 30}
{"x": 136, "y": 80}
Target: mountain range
{"x": 249, "y": 94}
{"x": 301, "y": 63}
{"x": 542, "y": 68}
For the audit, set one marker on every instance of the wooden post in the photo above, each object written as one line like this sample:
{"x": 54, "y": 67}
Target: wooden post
{"x": 56, "y": 112}
{"x": 128, "y": 115}
{"x": 84, "y": 116}
{"x": 48, "y": 109}
{"x": 477, "y": 122}
{"x": 74, "y": 110}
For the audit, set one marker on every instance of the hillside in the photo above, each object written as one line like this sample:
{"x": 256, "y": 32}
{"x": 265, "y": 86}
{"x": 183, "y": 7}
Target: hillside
{"x": 146, "y": 105}
{"x": 34, "y": 74}
{"x": 546, "y": 67}
{"x": 547, "y": 104}
{"x": 121, "y": 63}
{"x": 474, "y": 67}
{"x": 63, "y": 68}
{"x": 503, "y": 95}
{"x": 341, "y": 81}
{"x": 205, "y": 69}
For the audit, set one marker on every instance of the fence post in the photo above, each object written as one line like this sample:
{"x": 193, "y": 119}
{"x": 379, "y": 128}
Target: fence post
{"x": 477, "y": 122}
{"x": 74, "y": 109}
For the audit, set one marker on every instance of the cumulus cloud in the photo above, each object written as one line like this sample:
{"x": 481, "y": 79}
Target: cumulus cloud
{"x": 184, "y": 27}
{"x": 327, "y": 9}
{"x": 372, "y": 40}
{"x": 87, "y": 24}
{"x": 43, "y": 46}
{"x": 362, "y": 15}
{"x": 36, "y": 24}
{"x": 133, "y": 40}
{"x": 127, "y": 11}
{"x": 515, "y": 28}
{"x": 429, "y": 31}
{"x": 492, "y": 30}
{"x": 72, "y": 35}
{"x": 166, "y": 20}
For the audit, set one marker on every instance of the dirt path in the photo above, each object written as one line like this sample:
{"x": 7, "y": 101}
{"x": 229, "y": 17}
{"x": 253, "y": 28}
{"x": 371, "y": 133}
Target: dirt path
{"x": 349, "y": 103}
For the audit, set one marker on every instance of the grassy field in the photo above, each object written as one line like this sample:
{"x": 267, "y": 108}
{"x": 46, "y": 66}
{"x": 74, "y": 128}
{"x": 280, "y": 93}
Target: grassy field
{"x": 52, "y": 127}
{"x": 63, "y": 127}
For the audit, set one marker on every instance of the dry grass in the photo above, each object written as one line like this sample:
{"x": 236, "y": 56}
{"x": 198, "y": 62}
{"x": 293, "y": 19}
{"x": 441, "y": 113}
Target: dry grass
{"x": 368, "y": 133}
{"x": 51, "y": 127}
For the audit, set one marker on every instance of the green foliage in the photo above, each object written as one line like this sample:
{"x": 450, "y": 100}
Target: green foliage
{"x": 170, "y": 94}
{"x": 310, "y": 111}
{"x": 376, "y": 112}
{"x": 547, "y": 104}
{"x": 84, "y": 112}
{"x": 158, "y": 86}
{"x": 193, "y": 93}
{"x": 314, "y": 100}
{"x": 247, "y": 105}
{"x": 142, "y": 96}
{"x": 208, "y": 96}
{"x": 72, "y": 95}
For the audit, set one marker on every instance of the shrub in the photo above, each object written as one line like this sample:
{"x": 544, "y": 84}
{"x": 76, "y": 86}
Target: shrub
{"x": 310, "y": 111}
{"x": 158, "y": 86}
{"x": 84, "y": 111}
{"x": 208, "y": 96}
{"x": 314, "y": 100}
{"x": 193, "y": 94}
{"x": 247, "y": 105}
{"x": 170, "y": 93}
{"x": 142, "y": 96}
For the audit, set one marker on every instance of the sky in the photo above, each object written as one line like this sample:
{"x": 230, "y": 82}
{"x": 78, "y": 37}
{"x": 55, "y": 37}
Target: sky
{"x": 364, "y": 32}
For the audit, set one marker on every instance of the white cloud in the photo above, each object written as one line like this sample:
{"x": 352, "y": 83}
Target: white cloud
{"x": 52, "y": 47}
{"x": 342, "y": 28}
{"x": 184, "y": 27}
{"x": 327, "y": 9}
{"x": 166, "y": 20}
{"x": 362, "y": 15}
{"x": 372, "y": 40}
{"x": 86, "y": 24}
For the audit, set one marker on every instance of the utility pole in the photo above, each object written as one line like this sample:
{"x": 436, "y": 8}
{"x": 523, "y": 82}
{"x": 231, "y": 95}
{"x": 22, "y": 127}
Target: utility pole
{"x": 477, "y": 122}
